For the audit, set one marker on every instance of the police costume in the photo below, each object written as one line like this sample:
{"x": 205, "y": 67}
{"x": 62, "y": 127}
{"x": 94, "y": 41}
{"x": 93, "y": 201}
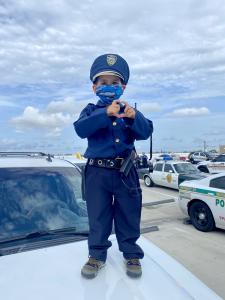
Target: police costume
{"x": 110, "y": 196}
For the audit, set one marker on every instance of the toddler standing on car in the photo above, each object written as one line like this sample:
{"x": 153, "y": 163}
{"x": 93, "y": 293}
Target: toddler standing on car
{"x": 111, "y": 126}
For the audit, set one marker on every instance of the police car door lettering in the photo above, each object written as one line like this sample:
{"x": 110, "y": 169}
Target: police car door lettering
{"x": 220, "y": 202}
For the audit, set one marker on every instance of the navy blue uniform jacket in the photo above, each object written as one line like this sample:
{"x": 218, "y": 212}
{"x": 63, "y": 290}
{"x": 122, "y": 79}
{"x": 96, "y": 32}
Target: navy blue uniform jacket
{"x": 110, "y": 137}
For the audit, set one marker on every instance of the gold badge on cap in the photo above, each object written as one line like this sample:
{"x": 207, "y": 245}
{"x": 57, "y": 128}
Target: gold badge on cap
{"x": 111, "y": 59}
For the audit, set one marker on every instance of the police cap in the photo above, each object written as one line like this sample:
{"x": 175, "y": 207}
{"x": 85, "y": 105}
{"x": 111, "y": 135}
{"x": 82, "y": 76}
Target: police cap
{"x": 110, "y": 64}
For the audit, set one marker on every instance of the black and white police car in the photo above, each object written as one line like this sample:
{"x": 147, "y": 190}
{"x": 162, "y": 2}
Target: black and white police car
{"x": 43, "y": 232}
{"x": 171, "y": 173}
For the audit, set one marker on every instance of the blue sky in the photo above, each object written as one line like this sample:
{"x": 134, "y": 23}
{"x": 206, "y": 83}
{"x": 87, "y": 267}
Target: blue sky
{"x": 175, "y": 50}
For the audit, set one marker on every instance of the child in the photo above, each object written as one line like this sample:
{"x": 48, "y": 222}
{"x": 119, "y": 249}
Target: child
{"x": 111, "y": 126}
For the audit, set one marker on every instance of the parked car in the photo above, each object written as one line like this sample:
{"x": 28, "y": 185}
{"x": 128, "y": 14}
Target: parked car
{"x": 204, "y": 201}
{"x": 196, "y": 157}
{"x": 213, "y": 166}
{"x": 171, "y": 174}
{"x": 43, "y": 232}
{"x": 164, "y": 157}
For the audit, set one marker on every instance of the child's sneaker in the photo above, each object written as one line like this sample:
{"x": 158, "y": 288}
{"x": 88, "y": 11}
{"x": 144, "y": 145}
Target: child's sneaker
{"x": 91, "y": 268}
{"x": 133, "y": 266}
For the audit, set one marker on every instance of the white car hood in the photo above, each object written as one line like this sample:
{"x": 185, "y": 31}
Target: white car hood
{"x": 54, "y": 274}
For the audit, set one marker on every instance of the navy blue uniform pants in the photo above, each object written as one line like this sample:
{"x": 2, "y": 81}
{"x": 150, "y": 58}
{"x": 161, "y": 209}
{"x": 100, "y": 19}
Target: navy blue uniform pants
{"x": 112, "y": 198}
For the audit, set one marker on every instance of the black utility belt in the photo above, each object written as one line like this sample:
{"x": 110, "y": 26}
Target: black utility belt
{"x": 114, "y": 163}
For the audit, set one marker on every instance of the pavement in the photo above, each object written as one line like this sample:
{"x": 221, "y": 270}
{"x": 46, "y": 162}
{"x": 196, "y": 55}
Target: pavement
{"x": 202, "y": 253}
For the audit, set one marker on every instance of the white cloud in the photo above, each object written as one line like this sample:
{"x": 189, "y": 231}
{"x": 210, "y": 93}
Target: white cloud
{"x": 190, "y": 112}
{"x": 53, "y": 119}
{"x": 32, "y": 118}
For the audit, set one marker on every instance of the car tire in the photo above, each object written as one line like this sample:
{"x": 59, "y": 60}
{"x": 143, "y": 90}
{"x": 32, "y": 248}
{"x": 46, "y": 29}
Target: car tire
{"x": 201, "y": 216}
{"x": 148, "y": 181}
{"x": 203, "y": 169}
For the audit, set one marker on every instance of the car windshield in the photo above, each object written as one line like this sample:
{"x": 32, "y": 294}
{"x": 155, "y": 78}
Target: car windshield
{"x": 40, "y": 199}
{"x": 185, "y": 168}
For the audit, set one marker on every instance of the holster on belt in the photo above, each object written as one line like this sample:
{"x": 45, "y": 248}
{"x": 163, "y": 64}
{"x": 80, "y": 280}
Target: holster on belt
{"x": 128, "y": 163}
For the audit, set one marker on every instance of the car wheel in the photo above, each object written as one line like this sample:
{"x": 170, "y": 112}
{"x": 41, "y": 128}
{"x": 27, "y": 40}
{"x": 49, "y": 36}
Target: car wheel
{"x": 201, "y": 216}
{"x": 148, "y": 181}
{"x": 203, "y": 169}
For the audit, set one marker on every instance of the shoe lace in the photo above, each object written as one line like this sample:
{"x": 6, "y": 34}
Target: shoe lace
{"x": 93, "y": 262}
{"x": 133, "y": 261}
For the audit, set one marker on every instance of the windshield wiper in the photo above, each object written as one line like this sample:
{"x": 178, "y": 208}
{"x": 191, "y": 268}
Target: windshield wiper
{"x": 70, "y": 231}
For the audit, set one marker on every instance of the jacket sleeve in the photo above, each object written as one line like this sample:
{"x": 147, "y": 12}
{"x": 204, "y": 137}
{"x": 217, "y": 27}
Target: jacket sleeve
{"x": 91, "y": 120}
{"x": 141, "y": 127}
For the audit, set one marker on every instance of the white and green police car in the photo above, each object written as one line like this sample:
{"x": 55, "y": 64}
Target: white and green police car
{"x": 204, "y": 201}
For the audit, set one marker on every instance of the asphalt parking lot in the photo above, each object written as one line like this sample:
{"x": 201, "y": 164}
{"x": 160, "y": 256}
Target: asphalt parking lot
{"x": 201, "y": 253}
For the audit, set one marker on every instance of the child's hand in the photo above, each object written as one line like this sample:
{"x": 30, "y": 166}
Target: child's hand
{"x": 113, "y": 109}
{"x": 129, "y": 112}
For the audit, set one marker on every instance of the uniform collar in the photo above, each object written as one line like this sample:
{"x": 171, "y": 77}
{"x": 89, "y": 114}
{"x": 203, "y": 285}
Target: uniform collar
{"x": 100, "y": 104}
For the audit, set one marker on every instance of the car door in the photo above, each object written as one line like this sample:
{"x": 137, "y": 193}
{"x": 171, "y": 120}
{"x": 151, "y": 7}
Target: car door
{"x": 202, "y": 156}
{"x": 218, "y": 187}
{"x": 169, "y": 176}
{"x": 156, "y": 175}
{"x": 217, "y": 165}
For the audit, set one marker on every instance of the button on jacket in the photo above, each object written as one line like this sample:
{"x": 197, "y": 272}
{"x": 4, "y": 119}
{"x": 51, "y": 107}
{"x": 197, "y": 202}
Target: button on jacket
{"x": 109, "y": 137}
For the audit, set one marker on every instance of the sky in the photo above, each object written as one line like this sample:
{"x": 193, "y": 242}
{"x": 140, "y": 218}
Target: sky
{"x": 176, "y": 54}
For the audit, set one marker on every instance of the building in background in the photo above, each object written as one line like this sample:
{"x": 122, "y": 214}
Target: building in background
{"x": 221, "y": 149}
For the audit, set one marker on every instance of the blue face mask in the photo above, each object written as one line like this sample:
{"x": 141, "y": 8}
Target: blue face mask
{"x": 109, "y": 93}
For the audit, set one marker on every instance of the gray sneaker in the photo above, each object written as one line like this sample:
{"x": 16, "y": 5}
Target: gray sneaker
{"x": 133, "y": 267}
{"x": 91, "y": 268}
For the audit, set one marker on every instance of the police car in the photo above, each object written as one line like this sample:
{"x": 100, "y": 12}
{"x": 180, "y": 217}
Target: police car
{"x": 216, "y": 165}
{"x": 171, "y": 173}
{"x": 43, "y": 232}
{"x": 204, "y": 201}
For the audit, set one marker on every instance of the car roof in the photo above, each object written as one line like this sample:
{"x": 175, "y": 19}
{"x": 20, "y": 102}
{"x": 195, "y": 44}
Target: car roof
{"x": 172, "y": 162}
{"x": 30, "y": 159}
{"x": 204, "y": 181}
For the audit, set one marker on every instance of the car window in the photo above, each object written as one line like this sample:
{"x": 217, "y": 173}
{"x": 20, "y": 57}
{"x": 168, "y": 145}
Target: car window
{"x": 158, "y": 167}
{"x": 168, "y": 168}
{"x": 185, "y": 168}
{"x": 220, "y": 158}
{"x": 218, "y": 183}
{"x": 38, "y": 199}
